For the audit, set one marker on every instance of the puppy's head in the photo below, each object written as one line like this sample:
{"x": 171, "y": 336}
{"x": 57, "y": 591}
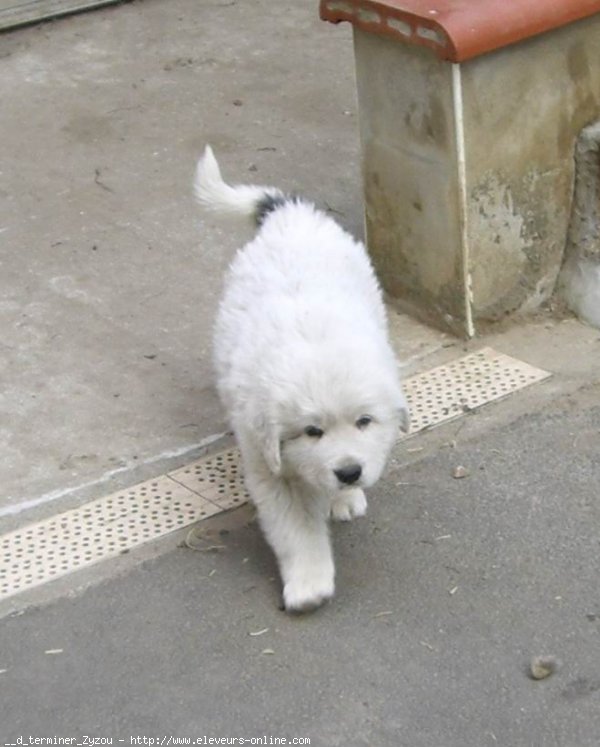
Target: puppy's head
{"x": 333, "y": 424}
{"x": 332, "y": 450}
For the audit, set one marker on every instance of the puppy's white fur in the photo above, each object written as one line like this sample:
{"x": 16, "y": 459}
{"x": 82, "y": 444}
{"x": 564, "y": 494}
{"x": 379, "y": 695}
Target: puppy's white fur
{"x": 306, "y": 373}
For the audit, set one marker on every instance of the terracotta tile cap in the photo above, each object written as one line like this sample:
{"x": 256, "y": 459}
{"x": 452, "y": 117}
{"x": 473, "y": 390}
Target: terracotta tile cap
{"x": 458, "y": 29}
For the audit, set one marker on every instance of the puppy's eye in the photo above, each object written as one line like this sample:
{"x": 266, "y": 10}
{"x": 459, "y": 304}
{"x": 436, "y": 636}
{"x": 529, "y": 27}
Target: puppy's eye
{"x": 313, "y": 431}
{"x": 364, "y": 421}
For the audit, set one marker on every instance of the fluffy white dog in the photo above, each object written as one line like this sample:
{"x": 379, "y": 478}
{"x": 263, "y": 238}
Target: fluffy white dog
{"x": 306, "y": 373}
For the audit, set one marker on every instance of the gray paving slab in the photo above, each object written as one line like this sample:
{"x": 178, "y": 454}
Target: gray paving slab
{"x": 445, "y": 591}
{"x": 109, "y": 275}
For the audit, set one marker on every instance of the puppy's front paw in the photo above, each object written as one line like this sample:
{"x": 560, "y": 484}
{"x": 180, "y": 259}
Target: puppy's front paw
{"x": 308, "y": 589}
{"x": 348, "y": 504}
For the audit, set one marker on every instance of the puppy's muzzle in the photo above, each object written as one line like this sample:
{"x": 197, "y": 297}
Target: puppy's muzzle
{"x": 348, "y": 475}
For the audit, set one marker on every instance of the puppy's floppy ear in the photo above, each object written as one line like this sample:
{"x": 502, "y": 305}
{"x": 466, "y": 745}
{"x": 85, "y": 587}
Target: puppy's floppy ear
{"x": 268, "y": 432}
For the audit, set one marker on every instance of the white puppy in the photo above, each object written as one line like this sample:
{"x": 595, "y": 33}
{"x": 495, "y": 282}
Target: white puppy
{"x": 306, "y": 374}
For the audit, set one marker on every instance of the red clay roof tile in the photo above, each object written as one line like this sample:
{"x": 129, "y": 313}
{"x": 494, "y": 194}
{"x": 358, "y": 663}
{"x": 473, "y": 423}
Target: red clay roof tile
{"x": 458, "y": 30}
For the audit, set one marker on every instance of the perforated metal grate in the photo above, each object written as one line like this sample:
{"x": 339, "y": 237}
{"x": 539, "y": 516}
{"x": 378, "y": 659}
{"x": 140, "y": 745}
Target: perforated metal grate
{"x": 100, "y": 529}
{"x": 116, "y": 523}
{"x": 449, "y": 391}
{"x": 218, "y": 478}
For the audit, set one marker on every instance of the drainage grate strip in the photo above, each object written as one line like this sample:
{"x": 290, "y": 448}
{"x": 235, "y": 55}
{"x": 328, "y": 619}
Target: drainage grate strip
{"x": 112, "y": 525}
{"x": 98, "y": 530}
{"x": 449, "y": 391}
{"x": 218, "y": 478}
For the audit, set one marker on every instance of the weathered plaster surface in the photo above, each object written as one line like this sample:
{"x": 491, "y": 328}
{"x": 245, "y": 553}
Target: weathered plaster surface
{"x": 584, "y": 228}
{"x": 523, "y": 107}
{"x": 580, "y": 277}
{"x": 409, "y": 170}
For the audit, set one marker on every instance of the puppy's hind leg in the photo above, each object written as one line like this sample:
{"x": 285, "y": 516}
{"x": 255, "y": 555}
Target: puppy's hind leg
{"x": 296, "y": 528}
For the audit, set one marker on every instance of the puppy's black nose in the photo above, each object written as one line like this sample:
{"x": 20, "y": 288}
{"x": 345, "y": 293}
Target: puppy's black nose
{"x": 348, "y": 475}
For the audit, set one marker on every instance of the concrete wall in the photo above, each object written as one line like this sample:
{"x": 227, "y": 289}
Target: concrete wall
{"x": 483, "y": 238}
{"x": 410, "y": 174}
{"x": 524, "y": 107}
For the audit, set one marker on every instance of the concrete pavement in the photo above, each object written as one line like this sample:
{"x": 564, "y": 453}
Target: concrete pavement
{"x": 445, "y": 592}
{"x": 109, "y": 278}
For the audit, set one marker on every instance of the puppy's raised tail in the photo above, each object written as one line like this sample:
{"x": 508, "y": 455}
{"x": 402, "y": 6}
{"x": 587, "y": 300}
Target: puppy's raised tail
{"x": 241, "y": 199}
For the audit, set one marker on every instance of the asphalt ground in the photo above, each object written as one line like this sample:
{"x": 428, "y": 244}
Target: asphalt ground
{"x": 445, "y": 592}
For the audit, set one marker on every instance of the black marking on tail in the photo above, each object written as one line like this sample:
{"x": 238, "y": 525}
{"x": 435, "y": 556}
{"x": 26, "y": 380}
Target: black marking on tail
{"x": 267, "y": 205}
